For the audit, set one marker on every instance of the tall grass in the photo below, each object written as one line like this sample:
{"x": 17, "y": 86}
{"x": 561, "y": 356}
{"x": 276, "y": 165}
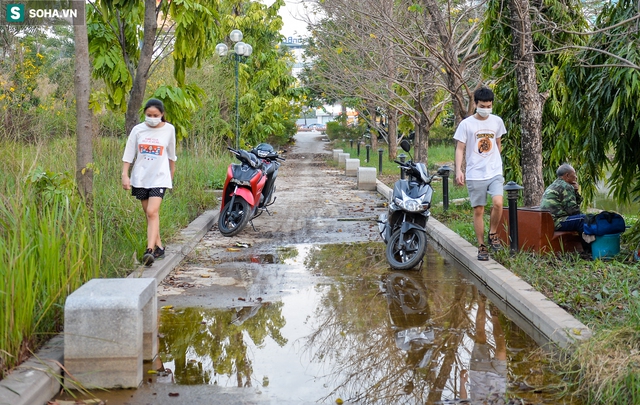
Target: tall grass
{"x": 605, "y": 369}
{"x": 51, "y": 242}
{"x": 122, "y": 215}
{"x": 48, "y": 248}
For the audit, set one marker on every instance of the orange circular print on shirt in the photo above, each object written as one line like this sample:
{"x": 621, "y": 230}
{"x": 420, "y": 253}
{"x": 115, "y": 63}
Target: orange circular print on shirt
{"x": 484, "y": 146}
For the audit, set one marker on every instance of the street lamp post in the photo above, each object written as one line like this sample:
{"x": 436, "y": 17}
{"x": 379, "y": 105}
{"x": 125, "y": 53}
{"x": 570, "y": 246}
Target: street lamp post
{"x": 240, "y": 49}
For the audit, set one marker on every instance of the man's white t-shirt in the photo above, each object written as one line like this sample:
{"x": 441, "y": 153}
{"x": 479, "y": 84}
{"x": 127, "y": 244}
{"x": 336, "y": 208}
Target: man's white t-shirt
{"x": 481, "y": 152}
{"x": 151, "y": 149}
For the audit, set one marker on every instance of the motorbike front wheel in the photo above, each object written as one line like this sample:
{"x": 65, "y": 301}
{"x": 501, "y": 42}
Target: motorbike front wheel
{"x": 234, "y": 217}
{"x": 406, "y": 254}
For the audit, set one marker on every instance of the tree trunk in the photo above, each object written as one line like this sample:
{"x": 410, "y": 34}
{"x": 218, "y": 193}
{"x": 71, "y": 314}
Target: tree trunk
{"x": 136, "y": 96}
{"x": 84, "y": 129}
{"x": 530, "y": 102}
{"x": 393, "y": 133}
{"x": 421, "y": 142}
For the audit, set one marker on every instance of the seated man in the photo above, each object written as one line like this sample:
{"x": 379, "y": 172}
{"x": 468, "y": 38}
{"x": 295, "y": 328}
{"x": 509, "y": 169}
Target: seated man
{"x": 563, "y": 200}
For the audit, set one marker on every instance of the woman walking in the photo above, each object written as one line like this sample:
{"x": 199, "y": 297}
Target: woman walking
{"x": 152, "y": 146}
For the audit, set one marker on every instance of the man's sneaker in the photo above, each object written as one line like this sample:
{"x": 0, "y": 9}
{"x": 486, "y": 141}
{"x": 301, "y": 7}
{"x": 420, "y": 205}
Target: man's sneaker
{"x": 147, "y": 258}
{"x": 483, "y": 253}
{"x": 158, "y": 253}
{"x": 494, "y": 242}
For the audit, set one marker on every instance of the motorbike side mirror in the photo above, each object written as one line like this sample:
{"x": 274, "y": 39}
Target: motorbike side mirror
{"x": 405, "y": 145}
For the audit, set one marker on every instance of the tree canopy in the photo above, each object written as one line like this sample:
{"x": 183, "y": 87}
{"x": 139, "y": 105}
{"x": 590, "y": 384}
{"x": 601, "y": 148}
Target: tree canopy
{"x": 130, "y": 40}
{"x": 602, "y": 100}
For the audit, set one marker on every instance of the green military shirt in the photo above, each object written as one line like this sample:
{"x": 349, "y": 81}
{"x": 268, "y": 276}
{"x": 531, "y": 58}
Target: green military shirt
{"x": 562, "y": 200}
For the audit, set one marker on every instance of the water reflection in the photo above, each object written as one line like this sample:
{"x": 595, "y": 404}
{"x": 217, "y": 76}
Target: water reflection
{"x": 487, "y": 374}
{"x": 362, "y": 334}
{"x": 201, "y": 345}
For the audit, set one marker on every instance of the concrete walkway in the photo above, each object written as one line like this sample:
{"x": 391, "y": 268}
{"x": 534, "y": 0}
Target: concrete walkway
{"x": 37, "y": 381}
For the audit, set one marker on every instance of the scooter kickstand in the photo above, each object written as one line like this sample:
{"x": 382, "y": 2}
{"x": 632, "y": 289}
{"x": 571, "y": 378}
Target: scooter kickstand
{"x": 254, "y": 228}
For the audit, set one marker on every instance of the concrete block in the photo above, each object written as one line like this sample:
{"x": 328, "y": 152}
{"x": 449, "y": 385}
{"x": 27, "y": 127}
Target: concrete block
{"x": 336, "y": 152}
{"x": 367, "y": 178}
{"x": 351, "y": 167}
{"x": 342, "y": 158}
{"x": 110, "y": 326}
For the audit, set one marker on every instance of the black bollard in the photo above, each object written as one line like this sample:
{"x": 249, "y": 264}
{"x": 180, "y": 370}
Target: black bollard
{"x": 351, "y": 143}
{"x": 513, "y": 191}
{"x": 380, "y": 151}
{"x": 402, "y": 158}
{"x": 368, "y": 149}
{"x": 358, "y": 148}
{"x": 444, "y": 172}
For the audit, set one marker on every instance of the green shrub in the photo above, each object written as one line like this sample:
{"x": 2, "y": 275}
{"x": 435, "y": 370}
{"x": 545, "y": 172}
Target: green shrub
{"x": 336, "y": 130}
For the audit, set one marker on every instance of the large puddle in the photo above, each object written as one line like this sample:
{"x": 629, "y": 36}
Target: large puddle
{"x": 359, "y": 333}
{"x": 332, "y": 324}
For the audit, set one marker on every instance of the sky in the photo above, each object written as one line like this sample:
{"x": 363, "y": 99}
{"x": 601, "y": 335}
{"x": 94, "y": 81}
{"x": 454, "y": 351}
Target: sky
{"x": 291, "y": 15}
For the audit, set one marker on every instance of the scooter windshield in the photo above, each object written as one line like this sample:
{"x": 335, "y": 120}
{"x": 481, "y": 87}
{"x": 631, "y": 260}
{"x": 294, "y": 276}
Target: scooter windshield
{"x": 422, "y": 169}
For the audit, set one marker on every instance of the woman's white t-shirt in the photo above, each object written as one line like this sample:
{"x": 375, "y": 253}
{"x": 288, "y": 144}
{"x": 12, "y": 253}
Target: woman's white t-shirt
{"x": 151, "y": 149}
{"x": 481, "y": 151}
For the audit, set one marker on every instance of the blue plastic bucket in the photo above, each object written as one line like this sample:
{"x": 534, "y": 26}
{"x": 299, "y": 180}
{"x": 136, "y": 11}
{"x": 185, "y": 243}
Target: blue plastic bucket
{"x": 605, "y": 246}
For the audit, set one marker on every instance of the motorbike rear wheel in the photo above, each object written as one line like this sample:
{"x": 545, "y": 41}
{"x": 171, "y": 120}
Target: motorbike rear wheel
{"x": 407, "y": 255}
{"x": 234, "y": 217}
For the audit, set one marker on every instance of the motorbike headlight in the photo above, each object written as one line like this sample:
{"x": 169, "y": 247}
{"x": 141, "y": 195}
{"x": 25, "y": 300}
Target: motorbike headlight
{"x": 411, "y": 204}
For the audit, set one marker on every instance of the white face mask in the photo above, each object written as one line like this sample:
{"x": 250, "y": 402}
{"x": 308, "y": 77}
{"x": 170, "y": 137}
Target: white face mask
{"x": 483, "y": 112}
{"x": 153, "y": 121}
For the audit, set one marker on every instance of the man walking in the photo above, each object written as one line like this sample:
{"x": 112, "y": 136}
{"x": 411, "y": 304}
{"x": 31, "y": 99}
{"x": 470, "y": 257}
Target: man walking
{"x": 479, "y": 142}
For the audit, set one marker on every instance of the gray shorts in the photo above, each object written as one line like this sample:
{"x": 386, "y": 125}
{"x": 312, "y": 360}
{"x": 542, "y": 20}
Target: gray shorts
{"x": 478, "y": 190}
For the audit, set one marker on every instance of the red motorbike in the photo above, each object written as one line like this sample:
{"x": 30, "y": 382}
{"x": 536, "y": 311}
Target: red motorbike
{"x": 249, "y": 187}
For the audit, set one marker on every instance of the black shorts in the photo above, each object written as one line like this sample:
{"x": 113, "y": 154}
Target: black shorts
{"x": 145, "y": 193}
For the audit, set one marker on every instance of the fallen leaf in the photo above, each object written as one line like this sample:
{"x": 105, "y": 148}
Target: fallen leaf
{"x": 205, "y": 275}
{"x": 167, "y": 307}
{"x": 174, "y": 394}
{"x": 152, "y": 372}
{"x": 233, "y": 250}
